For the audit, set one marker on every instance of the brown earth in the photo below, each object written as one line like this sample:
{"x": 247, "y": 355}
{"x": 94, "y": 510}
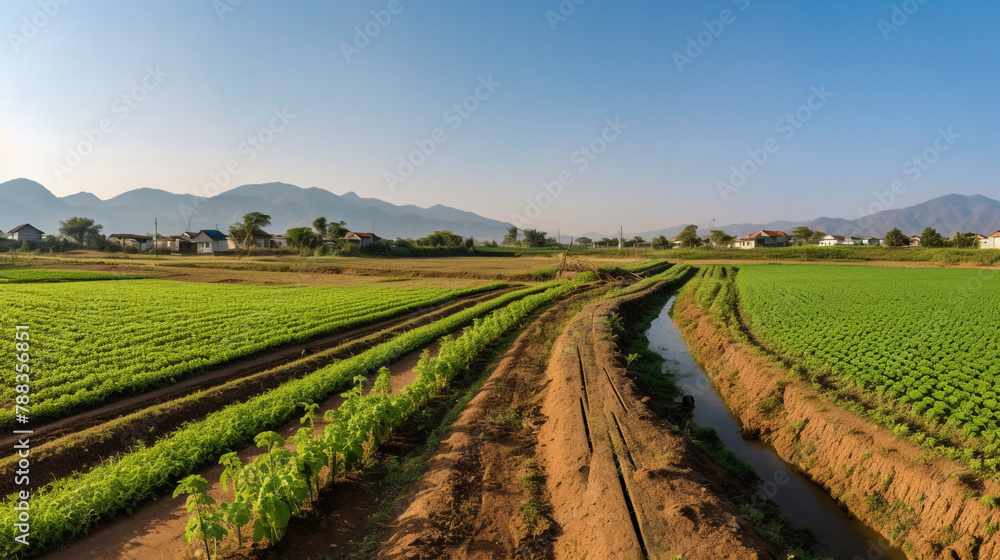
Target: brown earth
{"x": 83, "y": 441}
{"x": 623, "y": 484}
{"x": 585, "y": 470}
{"x": 926, "y": 504}
{"x": 471, "y": 501}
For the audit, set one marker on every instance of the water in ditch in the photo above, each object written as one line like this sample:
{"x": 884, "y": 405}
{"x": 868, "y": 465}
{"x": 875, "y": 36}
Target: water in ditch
{"x": 839, "y": 536}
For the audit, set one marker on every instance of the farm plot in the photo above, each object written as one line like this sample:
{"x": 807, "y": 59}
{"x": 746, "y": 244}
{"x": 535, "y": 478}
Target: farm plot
{"x": 92, "y": 341}
{"x": 74, "y": 504}
{"x": 923, "y": 340}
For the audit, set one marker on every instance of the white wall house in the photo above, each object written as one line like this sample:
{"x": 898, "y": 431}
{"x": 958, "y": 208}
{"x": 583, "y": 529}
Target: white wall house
{"x": 991, "y": 242}
{"x": 26, "y": 232}
{"x": 211, "y": 241}
{"x": 834, "y": 240}
{"x": 765, "y": 238}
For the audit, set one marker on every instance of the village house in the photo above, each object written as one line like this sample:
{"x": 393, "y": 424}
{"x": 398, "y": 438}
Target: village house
{"x": 765, "y": 238}
{"x": 991, "y": 242}
{"x": 834, "y": 240}
{"x": 362, "y": 239}
{"x": 209, "y": 241}
{"x": 914, "y": 241}
{"x": 26, "y": 232}
{"x": 183, "y": 243}
{"x": 273, "y": 242}
{"x": 126, "y": 240}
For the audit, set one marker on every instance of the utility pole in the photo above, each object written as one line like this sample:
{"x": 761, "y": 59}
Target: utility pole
{"x": 559, "y": 238}
{"x": 621, "y": 238}
{"x": 156, "y": 238}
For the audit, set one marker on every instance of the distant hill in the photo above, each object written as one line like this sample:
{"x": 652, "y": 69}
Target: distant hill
{"x": 947, "y": 214}
{"x": 25, "y": 201}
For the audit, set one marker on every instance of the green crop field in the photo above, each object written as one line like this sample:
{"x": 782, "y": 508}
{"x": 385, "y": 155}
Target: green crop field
{"x": 926, "y": 340}
{"x": 93, "y": 340}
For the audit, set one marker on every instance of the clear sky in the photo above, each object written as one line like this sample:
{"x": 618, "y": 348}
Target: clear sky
{"x": 180, "y": 86}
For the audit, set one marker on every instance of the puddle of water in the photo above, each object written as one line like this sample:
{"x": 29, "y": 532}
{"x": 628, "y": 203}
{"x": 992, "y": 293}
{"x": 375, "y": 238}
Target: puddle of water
{"x": 839, "y": 536}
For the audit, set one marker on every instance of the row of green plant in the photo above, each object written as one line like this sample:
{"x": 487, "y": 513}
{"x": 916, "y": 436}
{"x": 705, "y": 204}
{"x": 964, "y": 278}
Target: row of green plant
{"x": 102, "y": 340}
{"x": 842, "y": 253}
{"x": 675, "y": 276}
{"x": 922, "y": 342}
{"x": 21, "y": 275}
{"x": 69, "y": 507}
{"x": 277, "y": 485}
{"x": 714, "y": 291}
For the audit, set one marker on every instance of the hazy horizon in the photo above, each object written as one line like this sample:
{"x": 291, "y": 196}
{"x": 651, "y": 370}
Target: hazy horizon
{"x": 602, "y": 114}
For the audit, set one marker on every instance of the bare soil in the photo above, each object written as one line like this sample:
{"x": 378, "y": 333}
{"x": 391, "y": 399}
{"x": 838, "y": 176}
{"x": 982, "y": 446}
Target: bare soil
{"x": 561, "y": 456}
{"x": 926, "y": 504}
{"x": 472, "y": 501}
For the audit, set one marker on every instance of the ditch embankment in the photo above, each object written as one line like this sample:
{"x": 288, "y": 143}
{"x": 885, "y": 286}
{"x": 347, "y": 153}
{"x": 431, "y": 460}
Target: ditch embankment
{"x": 922, "y": 503}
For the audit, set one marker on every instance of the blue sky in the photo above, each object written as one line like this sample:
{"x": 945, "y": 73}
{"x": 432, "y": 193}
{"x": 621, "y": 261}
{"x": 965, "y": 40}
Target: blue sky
{"x": 197, "y": 85}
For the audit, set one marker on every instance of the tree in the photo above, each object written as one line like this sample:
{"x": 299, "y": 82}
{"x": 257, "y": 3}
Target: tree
{"x": 689, "y": 237}
{"x": 251, "y": 228}
{"x": 636, "y": 241}
{"x": 444, "y": 238}
{"x": 661, "y": 242}
{"x": 964, "y": 240}
{"x": 303, "y": 239}
{"x": 79, "y": 228}
{"x": 608, "y": 241}
{"x": 931, "y": 238}
{"x": 510, "y": 238}
{"x": 584, "y": 241}
{"x": 719, "y": 238}
{"x": 336, "y": 230}
{"x": 534, "y": 238}
{"x": 803, "y": 235}
{"x": 96, "y": 241}
{"x": 895, "y": 238}
{"x": 320, "y": 225}
{"x": 816, "y": 237}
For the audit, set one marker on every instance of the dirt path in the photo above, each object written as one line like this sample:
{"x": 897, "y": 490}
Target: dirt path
{"x": 623, "y": 484}
{"x": 155, "y": 531}
{"x": 586, "y": 471}
{"x": 929, "y": 505}
{"x": 473, "y": 501}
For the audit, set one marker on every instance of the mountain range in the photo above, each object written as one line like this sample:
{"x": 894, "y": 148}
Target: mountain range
{"x": 25, "y": 201}
{"x": 947, "y": 214}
